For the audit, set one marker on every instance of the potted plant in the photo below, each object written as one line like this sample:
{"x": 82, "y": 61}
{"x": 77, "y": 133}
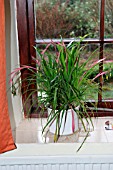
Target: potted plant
{"x": 63, "y": 82}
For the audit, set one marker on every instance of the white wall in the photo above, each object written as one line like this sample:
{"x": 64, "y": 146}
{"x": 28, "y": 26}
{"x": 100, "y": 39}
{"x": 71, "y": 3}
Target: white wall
{"x": 12, "y": 61}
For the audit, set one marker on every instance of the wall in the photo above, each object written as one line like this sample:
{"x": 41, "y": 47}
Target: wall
{"x": 12, "y": 61}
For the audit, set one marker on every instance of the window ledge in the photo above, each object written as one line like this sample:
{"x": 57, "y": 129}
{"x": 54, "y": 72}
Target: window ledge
{"x": 53, "y": 155}
{"x": 59, "y": 149}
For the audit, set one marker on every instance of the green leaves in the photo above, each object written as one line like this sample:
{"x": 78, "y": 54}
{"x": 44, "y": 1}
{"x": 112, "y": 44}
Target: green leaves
{"x": 64, "y": 80}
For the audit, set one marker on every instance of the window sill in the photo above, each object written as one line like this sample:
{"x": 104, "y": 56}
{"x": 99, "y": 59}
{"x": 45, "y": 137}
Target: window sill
{"x": 47, "y": 154}
{"x": 60, "y": 149}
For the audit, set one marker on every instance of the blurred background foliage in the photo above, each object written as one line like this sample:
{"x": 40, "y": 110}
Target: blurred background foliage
{"x": 71, "y": 18}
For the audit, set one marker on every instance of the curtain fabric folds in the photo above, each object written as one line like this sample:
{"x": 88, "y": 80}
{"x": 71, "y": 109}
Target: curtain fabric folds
{"x": 6, "y": 139}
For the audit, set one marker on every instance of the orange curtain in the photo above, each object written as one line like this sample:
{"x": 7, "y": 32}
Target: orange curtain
{"x": 6, "y": 140}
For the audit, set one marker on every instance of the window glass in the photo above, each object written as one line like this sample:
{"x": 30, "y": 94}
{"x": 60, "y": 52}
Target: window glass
{"x": 108, "y": 78}
{"x": 92, "y": 51}
{"x": 66, "y": 18}
{"x": 109, "y": 19}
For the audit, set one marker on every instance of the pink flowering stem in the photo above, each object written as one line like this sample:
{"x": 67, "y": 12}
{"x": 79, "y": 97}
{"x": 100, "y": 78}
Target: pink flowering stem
{"x": 36, "y": 60}
{"x": 13, "y": 74}
{"x": 100, "y": 74}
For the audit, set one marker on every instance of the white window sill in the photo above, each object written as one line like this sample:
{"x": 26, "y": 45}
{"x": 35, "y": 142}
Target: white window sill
{"x": 59, "y": 149}
{"x": 99, "y": 153}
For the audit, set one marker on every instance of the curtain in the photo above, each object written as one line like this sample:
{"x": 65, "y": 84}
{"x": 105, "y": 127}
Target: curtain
{"x": 6, "y": 139}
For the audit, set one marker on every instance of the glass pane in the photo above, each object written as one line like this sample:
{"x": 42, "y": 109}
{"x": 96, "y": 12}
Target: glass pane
{"x": 55, "y": 18}
{"x": 108, "y": 79}
{"x": 91, "y": 50}
{"x": 109, "y": 19}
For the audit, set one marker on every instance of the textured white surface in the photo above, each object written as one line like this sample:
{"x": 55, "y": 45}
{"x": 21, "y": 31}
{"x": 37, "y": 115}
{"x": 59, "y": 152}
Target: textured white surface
{"x": 56, "y": 166}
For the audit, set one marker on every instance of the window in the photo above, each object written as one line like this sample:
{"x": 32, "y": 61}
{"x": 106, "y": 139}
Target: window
{"x": 92, "y": 18}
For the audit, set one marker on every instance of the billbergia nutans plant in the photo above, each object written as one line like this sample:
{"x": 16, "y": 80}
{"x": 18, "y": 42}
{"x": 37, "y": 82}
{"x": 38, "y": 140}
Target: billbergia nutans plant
{"x": 63, "y": 81}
